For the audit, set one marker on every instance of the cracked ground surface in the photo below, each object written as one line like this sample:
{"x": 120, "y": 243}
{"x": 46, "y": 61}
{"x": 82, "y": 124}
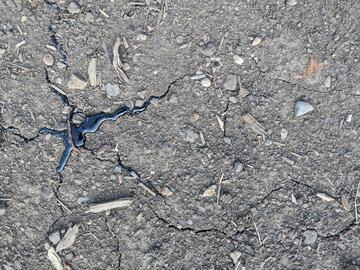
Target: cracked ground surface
{"x": 290, "y": 207}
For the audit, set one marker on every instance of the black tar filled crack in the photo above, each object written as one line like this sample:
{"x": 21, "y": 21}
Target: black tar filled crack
{"x": 74, "y": 137}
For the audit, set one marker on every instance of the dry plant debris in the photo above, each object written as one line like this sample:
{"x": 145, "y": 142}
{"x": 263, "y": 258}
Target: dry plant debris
{"x": 117, "y": 64}
{"x": 69, "y": 238}
{"x": 119, "y": 203}
{"x": 314, "y": 66}
{"x": 253, "y": 124}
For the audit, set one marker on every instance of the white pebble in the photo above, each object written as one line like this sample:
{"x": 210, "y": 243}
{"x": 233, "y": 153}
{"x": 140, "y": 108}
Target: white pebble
{"x": 302, "y": 107}
{"x": 256, "y": 41}
{"x": 48, "y": 59}
{"x": 349, "y": 118}
{"x": 291, "y": 3}
{"x": 238, "y": 60}
{"x": 74, "y": 8}
{"x": 141, "y": 37}
{"x": 205, "y": 82}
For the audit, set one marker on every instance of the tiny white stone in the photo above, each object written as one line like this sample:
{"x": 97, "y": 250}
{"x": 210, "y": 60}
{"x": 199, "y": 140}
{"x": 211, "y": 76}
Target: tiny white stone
{"x": 112, "y": 90}
{"x": 74, "y": 8}
{"x": 230, "y": 82}
{"x": 238, "y": 60}
{"x": 141, "y": 37}
{"x": 205, "y": 82}
{"x": 349, "y": 118}
{"x": 256, "y": 41}
{"x": 302, "y": 107}
{"x": 55, "y": 237}
{"x": 76, "y": 83}
{"x": 48, "y": 59}
{"x": 291, "y": 3}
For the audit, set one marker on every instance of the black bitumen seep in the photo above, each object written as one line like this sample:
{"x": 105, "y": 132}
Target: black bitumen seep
{"x": 74, "y": 137}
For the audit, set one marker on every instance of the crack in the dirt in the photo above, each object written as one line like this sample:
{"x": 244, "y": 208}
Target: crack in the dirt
{"x": 74, "y": 137}
{"x": 315, "y": 189}
{"x": 117, "y": 242}
{"x": 16, "y": 132}
{"x": 189, "y": 229}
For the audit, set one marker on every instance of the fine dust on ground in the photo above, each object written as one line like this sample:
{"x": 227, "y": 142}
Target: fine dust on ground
{"x": 251, "y": 161}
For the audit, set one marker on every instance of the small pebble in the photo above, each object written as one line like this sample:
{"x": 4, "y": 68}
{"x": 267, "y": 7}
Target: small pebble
{"x": 348, "y": 118}
{"x": 210, "y": 191}
{"x": 291, "y": 3}
{"x": 238, "y": 166}
{"x": 230, "y": 82}
{"x": 235, "y": 256}
{"x": 55, "y": 237}
{"x": 283, "y": 134}
{"x": 76, "y": 83}
{"x": 82, "y": 200}
{"x": 180, "y": 40}
{"x": 74, "y": 8}
{"x": 48, "y": 59}
{"x": 327, "y": 82}
{"x": 112, "y": 90}
{"x": 2, "y": 209}
{"x": 302, "y": 107}
{"x": 205, "y": 82}
{"x": 238, "y": 60}
{"x": 189, "y": 135}
{"x": 256, "y": 41}
{"x": 233, "y": 100}
{"x": 23, "y": 19}
{"x": 89, "y": 17}
{"x": 69, "y": 256}
{"x": 141, "y": 37}
{"x": 165, "y": 191}
{"x": 310, "y": 237}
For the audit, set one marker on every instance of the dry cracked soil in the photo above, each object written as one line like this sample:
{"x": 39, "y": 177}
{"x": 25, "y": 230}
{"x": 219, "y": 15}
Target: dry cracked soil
{"x": 236, "y": 173}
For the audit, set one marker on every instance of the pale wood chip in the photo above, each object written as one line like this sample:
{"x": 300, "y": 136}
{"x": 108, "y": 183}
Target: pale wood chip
{"x": 325, "y": 197}
{"x": 92, "y": 71}
{"x": 202, "y": 138}
{"x": 243, "y": 92}
{"x": 345, "y": 203}
{"x": 210, "y": 191}
{"x": 55, "y": 259}
{"x": 119, "y": 203}
{"x": 221, "y": 122}
{"x": 253, "y": 124}
{"x": 117, "y": 64}
{"x": 166, "y": 192}
{"x": 69, "y": 238}
{"x": 288, "y": 160}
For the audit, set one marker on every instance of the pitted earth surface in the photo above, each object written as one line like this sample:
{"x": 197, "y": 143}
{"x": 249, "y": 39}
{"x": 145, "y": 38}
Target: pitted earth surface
{"x": 230, "y": 178}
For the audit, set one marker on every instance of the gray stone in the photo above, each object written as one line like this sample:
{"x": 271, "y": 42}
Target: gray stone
{"x": 89, "y": 17}
{"x": 81, "y": 200}
{"x": 205, "y": 82}
{"x": 54, "y": 237}
{"x": 189, "y": 135}
{"x": 74, "y": 8}
{"x": 310, "y": 237}
{"x": 3, "y": 208}
{"x": 180, "y": 40}
{"x": 302, "y": 107}
{"x": 112, "y": 90}
{"x": 230, "y": 82}
{"x": 291, "y": 3}
{"x": 238, "y": 166}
